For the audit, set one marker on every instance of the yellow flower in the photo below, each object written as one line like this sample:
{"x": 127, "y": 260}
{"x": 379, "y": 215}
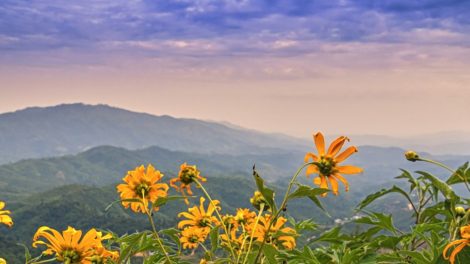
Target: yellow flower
{"x": 278, "y": 235}
{"x": 100, "y": 255}
{"x": 326, "y": 163}
{"x": 199, "y": 217}
{"x": 234, "y": 240}
{"x": 257, "y": 200}
{"x": 4, "y": 216}
{"x": 187, "y": 175}
{"x": 244, "y": 216}
{"x": 3, "y": 261}
{"x": 69, "y": 247}
{"x": 465, "y": 241}
{"x": 192, "y": 236}
{"x": 142, "y": 184}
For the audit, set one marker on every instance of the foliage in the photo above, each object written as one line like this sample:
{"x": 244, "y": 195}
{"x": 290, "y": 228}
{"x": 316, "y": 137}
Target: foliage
{"x": 219, "y": 230}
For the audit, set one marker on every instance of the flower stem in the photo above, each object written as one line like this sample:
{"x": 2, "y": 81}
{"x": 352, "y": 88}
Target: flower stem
{"x": 283, "y": 205}
{"x": 157, "y": 237}
{"x": 261, "y": 209}
{"x": 219, "y": 216}
{"x": 447, "y": 168}
{"x": 43, "y": 261}
{"x": 152, "y": 223}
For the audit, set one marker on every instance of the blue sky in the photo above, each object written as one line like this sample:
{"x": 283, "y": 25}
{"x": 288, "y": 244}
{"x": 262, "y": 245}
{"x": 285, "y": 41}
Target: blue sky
{"x": 356, "y": 55}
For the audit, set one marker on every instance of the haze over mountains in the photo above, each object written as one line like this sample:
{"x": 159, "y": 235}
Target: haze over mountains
{"x": 68, "y": 129}
{"x": 72, "y": 128}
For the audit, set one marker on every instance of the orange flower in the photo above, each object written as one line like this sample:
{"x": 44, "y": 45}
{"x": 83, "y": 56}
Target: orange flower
{"x": 142, "y": 185}
{"x": 199, "y": 217}
{"x": 278, "y": 235}
{"x": 192, "y": 236}
{"x": 465, "y": 241}
{"x": 187, "y": 175}
{"x": 5, "y": 216}
{"x": 325, "y": 164}
{"x": 70, "y": 246}
{"x": 101, "y": 255}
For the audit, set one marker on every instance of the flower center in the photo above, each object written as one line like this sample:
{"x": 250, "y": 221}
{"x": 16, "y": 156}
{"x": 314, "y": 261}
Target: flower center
{"x": 71, "y": 256}
{"x": 326, "y": 166}
{"x": 142, "y": 189}
{"x": 194, "y": 239}
{"x": 205, "y": 221}
{"x": 96, "y": 260}
{"x": 188, "y": 175}
{"x": 239, "y": 218}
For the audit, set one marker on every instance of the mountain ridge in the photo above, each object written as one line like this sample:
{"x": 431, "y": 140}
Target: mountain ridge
{"x": 37, "y": 132}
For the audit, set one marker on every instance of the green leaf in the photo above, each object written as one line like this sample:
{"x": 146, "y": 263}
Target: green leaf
{"x": 214, "y": 236}
{"x": 270, "y": 253}
{"x": 462, "y": 174}
{"x": 417, "y": 256}
{"x": 332, "y": 236}
{"x": 173, "y": 234}
{"x": 389, "y": 242}
{"x": 267, "y": 193}
{"x": 372, "y": 197}
{"x": 407, "y": 175}
{"x": 163, "y": 200}
{"x": 304, "y": 225}
{"x": 378, "y": 219}
{"x": 443, "y": 187}
{"x": 309, "y": 192}
{"x": 27, "y": 255}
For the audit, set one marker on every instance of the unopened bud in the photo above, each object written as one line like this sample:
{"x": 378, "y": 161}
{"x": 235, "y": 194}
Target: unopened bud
{"x": 257, "y": 200}
{"x": 460, "y": 211}
{"x": 411, "y": 156}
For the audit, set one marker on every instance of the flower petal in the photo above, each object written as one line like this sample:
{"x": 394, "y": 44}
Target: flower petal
{"x": 309, "y": 156}
{"x": 311, "y": 169}
{"x": 343, "y": 180}
{"x": 456, "y": 251}
{"x": 320, "y": 143}
{"x": 336, "y": 146}
{"x": 317, "y": 181}
{"x": 444, "y": 252}
{"x": 334, "y": 185}
{"x": 348, "y": 169}
{"x": 345, "y": 154}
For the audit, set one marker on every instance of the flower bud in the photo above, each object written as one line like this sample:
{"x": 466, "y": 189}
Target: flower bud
{"x": 257, "y": 200}
{"x": 460, "y": 211}
{"x": 411, "y": 156}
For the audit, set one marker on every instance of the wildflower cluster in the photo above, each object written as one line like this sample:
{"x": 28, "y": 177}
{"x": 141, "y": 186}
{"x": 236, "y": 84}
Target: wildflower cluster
{"x": 266, "y": 233}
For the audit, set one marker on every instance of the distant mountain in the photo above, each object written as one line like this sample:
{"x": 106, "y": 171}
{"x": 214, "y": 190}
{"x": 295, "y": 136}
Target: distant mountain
{"x": 443, "y": 143}
{"x": 75, "y": 189}
{"x": 105, "y": 165}
{"x": 72, "y": 128}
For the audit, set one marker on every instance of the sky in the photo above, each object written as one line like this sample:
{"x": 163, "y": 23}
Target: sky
{"x": 343, "y": 67}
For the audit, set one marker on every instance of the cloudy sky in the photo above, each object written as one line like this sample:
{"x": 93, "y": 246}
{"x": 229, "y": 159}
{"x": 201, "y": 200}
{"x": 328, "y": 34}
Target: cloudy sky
{"x": 370, "y": 67}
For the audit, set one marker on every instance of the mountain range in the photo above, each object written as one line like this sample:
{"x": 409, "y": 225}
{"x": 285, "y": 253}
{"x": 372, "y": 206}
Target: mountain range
{"x": 61, "y": 165}
{"x": 71, "y": 128}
